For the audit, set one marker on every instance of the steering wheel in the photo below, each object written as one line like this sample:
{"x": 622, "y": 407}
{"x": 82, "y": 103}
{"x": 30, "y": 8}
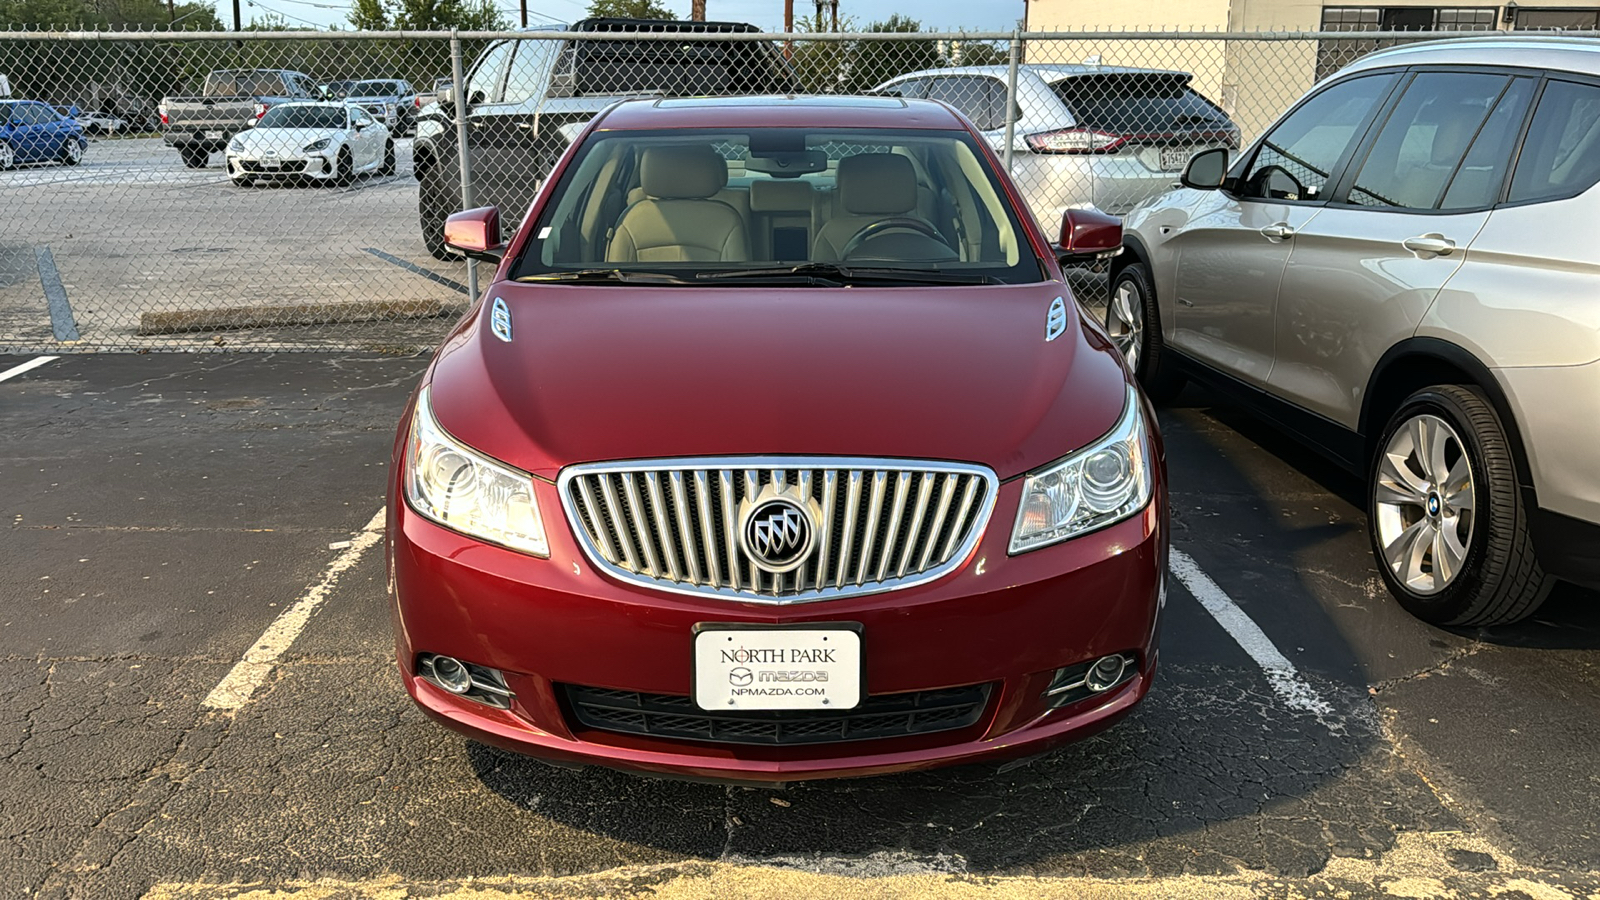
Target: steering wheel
{"x": 893, "y": 223}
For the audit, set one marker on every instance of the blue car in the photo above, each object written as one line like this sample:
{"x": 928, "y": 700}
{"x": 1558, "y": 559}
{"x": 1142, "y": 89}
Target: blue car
{"x": 33, "y": 132}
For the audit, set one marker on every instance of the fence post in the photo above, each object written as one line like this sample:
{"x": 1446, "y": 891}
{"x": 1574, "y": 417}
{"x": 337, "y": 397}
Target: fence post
{"x": 458, "y": 86}
{"x": 1011, "y": 94}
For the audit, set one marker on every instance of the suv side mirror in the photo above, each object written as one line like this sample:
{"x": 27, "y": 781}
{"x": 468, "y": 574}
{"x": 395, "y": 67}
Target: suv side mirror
{"x": 1088, "y": 235}
{"x": 476, "y": 232}
{"x": 1206, "y": 170}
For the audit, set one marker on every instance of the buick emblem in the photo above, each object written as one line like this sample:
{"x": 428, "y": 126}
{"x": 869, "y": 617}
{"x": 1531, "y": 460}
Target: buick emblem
{"x": 778, "y": 533}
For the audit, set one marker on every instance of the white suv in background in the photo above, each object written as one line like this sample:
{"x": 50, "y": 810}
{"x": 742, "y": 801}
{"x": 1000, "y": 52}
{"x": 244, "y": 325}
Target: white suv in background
{"x": 1103, "y": 137}
{"x": 1403, "y": 272}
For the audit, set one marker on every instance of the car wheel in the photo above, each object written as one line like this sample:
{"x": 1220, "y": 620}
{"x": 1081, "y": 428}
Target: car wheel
{"x": 1134, "y": 323}
{"x": 8, "y": 157}
{"x": 345, "y": 169}
{"x": 71, "y": 152}
{"x": 388, "y": 160}
{"x": 435, "y": 202}
{"x": 194, "y": 157}
{"x": 1446, "y": 516}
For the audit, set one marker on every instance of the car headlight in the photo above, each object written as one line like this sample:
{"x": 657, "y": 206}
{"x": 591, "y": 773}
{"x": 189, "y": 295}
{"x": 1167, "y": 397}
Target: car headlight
{"x": 465, "y": 491}
{"x": 314, "y": 146}
{"x": 236, "y": 145}
{"x": 1103, "y": 483}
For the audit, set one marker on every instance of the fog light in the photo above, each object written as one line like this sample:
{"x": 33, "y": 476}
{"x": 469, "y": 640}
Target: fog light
{"x": 453, "y": 676}
{"x": 1104, "y": 674}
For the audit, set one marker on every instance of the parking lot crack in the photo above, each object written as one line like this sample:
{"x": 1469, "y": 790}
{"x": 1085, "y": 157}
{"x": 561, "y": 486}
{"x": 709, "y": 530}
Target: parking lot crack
{"x": 1443, "y": 665}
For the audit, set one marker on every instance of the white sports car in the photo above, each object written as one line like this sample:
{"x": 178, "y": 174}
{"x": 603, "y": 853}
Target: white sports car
{"x": 331, "y": 142}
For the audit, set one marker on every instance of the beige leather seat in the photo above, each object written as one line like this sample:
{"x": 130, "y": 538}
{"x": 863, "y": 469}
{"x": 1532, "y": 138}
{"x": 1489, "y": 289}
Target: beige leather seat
{"x": 871, "y": 187}
{"x": 678, "y": 221}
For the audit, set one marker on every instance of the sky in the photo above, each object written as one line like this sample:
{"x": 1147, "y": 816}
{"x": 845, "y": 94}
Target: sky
{"x": 949, "y": 15}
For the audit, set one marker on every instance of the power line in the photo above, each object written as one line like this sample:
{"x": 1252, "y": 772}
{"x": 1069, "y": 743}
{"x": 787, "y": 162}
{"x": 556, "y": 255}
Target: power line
{"x": 254, "y": 5}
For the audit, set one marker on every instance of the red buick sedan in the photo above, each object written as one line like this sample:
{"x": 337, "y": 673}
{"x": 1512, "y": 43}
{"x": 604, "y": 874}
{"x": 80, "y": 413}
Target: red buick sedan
{"x": 775, "y": 450}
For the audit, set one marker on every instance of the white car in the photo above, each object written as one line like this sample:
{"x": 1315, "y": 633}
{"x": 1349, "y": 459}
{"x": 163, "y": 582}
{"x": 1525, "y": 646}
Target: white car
{"x": 332, "y": 142}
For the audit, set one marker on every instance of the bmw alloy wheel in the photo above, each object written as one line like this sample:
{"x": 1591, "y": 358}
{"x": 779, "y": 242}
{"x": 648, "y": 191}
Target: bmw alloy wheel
{"x": 1425, "y": 504}
{"x": 1125, "y": 321}
{"x": 7, "y": 157}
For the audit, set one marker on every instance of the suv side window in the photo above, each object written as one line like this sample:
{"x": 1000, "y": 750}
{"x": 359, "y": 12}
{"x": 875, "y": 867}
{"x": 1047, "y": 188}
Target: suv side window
{"x": 981, "y": 99}
{"x": 488, "y": 74}
{"x": 1425, "y": 139}
{"x": 1561, "y": 156}
{"x": 530, "y": 70}
{"x": 1297, "y": 157}
{"x": 911, "y": 87}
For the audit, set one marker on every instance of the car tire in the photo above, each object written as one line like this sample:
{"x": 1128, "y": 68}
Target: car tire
{"x": 1133, "y": 320}
{"x": 8, "y": 157}
{"x": 435, "y": 202}
{"x": 1443, "y": 466}
{"x": 344, "y": 172}
{"x": 71, "y": 152}
{"x": 194, "y": 157}
{"x": 388, "y": 160}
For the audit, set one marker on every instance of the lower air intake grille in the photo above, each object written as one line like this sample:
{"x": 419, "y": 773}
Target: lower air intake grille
{"x": 883, "y": 716}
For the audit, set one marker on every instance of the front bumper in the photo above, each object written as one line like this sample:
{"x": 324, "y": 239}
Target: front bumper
{"x": 305, "y": 166}
{"x": 1009, "y": 622}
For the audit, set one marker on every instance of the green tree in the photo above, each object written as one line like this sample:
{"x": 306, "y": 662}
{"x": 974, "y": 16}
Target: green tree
{"x": 823, "y": 66}
{"x": 426, "y": 15}
{"x": 629, "y": 9}
{"x": 874, "y": 62}
{"x": 979, "y": 53}
{"x": 369, "y": 15}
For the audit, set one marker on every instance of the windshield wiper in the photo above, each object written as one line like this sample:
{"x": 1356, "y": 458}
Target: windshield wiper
{"x": 847, "y": 274}
{"x": 604, "y": 276}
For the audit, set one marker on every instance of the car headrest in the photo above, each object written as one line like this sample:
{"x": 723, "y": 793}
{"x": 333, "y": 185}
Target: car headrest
{"x": 1451, "y": 137}
{"x": 877, "y": 184}
{"x": 682, "y": 172}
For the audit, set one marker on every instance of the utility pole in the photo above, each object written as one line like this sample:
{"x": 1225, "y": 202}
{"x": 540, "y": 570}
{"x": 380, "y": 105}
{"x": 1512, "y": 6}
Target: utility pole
{"x": 833, "y": 26}
{"x": 172, "y": 14}
{"x": 697, "y": 10}
{"x": 524, "y": 13}
{"x": 788, "y": 28}
{"x": 235, "y": 15}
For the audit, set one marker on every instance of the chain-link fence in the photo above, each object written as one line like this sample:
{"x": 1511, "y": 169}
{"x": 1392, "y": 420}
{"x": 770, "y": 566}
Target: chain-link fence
{"x": 288, "y": 190}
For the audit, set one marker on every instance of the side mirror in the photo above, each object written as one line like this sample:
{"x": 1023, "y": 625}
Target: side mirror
{"x": 1206, "y": 170}
{"x": 476, "y": 232}
{"x": 1088, "y": 235}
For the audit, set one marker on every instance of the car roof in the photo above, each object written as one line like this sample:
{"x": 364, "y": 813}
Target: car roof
{"x": 1048, "y": 72}
{"x": 778, "y": 112}
{"x": 1571, "y": 54}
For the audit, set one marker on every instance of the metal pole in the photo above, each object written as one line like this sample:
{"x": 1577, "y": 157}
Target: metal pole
{"x": 458, "y": 85}
{"x": 1011, "y": 94}
{"x": 524, "y": 13}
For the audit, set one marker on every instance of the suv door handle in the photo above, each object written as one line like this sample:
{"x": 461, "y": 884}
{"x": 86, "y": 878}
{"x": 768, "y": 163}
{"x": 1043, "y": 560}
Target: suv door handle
{"x": 1278, "y": 232}
{"x": 1429, "y": 243}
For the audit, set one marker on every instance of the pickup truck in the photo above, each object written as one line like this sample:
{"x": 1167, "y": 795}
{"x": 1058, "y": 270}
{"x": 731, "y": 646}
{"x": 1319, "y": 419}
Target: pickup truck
{"x": 389, "y": 100}
{"x": 230, "y": 101}
{"x": 527, "y": 98}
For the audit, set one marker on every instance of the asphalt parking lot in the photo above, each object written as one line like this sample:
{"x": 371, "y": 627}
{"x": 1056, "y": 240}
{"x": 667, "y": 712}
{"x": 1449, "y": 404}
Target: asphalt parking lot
{"x": 163, "y": 511}
{"x": 131, "y": 231}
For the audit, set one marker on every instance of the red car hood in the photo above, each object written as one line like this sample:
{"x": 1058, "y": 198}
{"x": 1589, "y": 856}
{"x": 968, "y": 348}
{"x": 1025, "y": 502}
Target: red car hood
{"x": 607, "y": 373}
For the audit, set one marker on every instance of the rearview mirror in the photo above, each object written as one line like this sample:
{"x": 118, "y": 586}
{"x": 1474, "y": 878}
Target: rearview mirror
{"x": 476, "y": 232}
{"x": 1206, "y": 170}
{"x": 1088, "y": 235}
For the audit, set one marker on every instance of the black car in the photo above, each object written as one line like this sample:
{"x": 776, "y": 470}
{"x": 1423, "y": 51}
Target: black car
{"x": 528, "y": 97}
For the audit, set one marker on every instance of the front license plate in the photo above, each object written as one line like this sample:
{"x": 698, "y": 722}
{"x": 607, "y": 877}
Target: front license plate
{"x": 1173, "y": 159}
{"x": 213, "y": 135}
{"x": 817, "y": 666}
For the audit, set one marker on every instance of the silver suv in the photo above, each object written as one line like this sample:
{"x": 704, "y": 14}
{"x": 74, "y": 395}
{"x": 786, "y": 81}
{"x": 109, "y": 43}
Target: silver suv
{"x": 1403, "y": 273}
{"x": 1104, "y": 137}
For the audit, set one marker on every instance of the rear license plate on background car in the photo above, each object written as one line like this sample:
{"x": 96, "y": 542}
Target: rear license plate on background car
{"x": 1173, "y": 159}
{"x": 213, "y": 135}
{"x": 742, "y": 667}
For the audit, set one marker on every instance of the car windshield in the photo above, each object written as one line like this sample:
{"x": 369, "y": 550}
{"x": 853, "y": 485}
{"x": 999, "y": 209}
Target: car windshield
{"x": 374, "y": 89}
{"x": 320, "y": 117}
{"x": 1123, "y": 102}
{"x": 791, "y": 205}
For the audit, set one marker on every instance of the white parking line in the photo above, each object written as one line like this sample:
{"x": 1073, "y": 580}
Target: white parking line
{"x": 1281, "y": 673}
{"x": 28, "y": 366}
{"x": 247, "y": 674}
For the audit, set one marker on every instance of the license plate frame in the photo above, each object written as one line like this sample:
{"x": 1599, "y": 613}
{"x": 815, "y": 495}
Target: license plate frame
{"x": 770, "y": 680}
{"x": 1174, "y": 159}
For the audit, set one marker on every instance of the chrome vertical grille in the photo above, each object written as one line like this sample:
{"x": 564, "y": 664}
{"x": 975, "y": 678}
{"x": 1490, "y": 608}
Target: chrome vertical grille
{"x": 879, "y": 524}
